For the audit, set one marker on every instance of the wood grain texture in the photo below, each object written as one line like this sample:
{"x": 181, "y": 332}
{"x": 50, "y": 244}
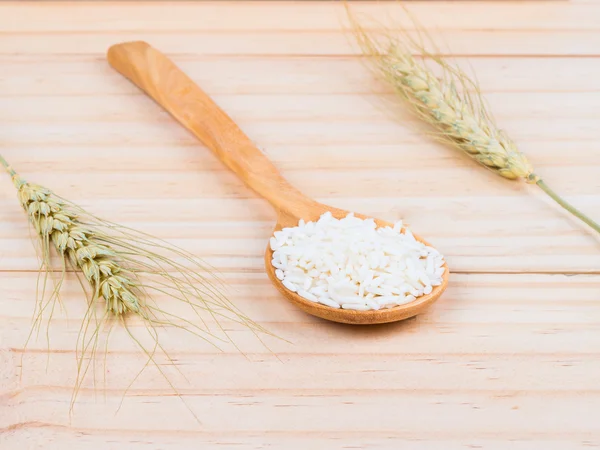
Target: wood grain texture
{"x": 507, "y": 360}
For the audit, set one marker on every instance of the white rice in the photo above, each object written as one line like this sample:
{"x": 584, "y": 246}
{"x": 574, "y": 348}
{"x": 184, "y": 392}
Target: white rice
{"x": 350, "y": 263}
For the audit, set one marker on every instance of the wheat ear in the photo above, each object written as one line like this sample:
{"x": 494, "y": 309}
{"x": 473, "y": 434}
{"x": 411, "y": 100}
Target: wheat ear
{"x": 55, "y": 223}
{"x": 123, "y": 268}
{"x": 459, "y": 117}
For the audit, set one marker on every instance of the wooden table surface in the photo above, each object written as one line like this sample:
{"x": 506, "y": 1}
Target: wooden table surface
{"x": 509, "y": 358}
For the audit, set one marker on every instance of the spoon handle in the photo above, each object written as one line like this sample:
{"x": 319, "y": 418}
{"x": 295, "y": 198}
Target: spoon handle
{"x": 172, "y": 89}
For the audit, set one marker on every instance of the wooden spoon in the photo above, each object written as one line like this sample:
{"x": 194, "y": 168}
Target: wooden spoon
{"x": 158, "y": 77}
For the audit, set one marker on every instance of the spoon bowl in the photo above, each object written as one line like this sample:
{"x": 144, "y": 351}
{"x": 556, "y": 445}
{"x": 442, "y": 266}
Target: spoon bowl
{"x": 164, "y": 82}
{"x": 349, "y": 316}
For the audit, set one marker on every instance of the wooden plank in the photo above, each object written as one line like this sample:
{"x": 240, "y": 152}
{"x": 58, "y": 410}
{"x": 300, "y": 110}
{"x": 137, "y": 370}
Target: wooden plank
{"x": 417, "y": 153}
{"x": 328, "y": 43}
{"x": 87, "y": 75}
{"x": 475, "y": 305}
{"x": 274, "y": 133}
{"x": 521, "y": 414}
{"x": 53, "y": 438}
{"x": 508, "y": 107}
{"x": 292, "y": 16}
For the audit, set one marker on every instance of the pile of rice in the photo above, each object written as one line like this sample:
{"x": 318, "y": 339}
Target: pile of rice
{"x": 350, "y": 263}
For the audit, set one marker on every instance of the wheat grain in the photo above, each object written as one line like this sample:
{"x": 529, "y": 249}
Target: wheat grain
{"x": 54, "y": 222}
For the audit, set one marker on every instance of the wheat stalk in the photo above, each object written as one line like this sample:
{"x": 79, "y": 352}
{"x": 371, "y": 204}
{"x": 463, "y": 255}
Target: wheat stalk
{"x": 451, "y": 104}
{"x": 123, "y": 268}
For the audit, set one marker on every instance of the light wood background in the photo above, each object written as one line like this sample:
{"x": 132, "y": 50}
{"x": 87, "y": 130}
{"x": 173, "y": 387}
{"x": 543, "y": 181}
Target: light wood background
{"x": 509, "y": 358}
